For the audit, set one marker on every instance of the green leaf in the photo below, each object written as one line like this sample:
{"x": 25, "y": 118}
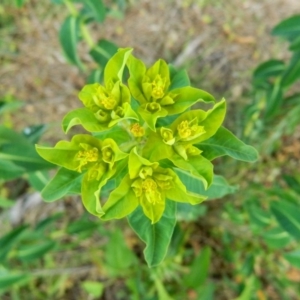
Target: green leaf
{"x": 292, "y": 73}
{"x": 156, "y": 236}
{"x": 198, "y": 273}
{"x": 151, "y": 118}
{"x": 115, "y": 66}
{"x": 258, "y": 217}
{"x": 288, "y": 28}
{"x": 9, "y": 170}
{"x": 198, "y": 166}
{"x": 102, "y": 52}
{"x": 185, "y": 97}
{"x": 179, "y": 79}
{"x": 82, "y": 225}
{"x": 248, "y": 290}
{"x": 96, "y": 8}
{"x": 9, "y": 136}
{"x": 10, "y": 106}
{"x": 35, "y": 251}
{"x": 212, "y": 122}
{"x": 8, "y": 240}
{"x": 63, "y": 183}
{"x": 90, "y": 193}
{"x": 38, "y": 179}
{"x": 95, "y": 77}
{"x": 274, "y": 99}
{"x": 120, "y": 134}
{"x": 7, "y": 280}
{"x": 15, "y": 148}
{"x": 121, "y": 202}
{"x": 293, "y": 258}
{"x": 83, "y": 117}
{"x": 295, "y": 45}
{"x": 118, "y": 259}
{"x": 287, "y": 215}
{"x": 276, "y": 238}
{"x": 95, "y": 289}
{"x": 218, "y": 189}
{"x": 33, "y": 133}
{"x": 69, "y": 37}
{"x": 225, "y": 143}
{"x": 292, "y": 182}
{"x": 270, "y": 68}
{"x": 46, "y": 222}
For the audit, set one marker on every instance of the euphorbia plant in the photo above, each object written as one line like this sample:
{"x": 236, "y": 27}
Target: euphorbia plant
{"x": 145, "y": 143}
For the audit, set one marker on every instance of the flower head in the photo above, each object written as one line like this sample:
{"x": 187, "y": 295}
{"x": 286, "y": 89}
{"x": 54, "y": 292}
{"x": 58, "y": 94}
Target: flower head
{"x": 149, "y": 185}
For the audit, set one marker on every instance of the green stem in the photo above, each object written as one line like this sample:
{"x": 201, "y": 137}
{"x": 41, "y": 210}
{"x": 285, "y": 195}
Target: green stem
{"x": 72, "y": 9}
{"x": 86, "y": 35}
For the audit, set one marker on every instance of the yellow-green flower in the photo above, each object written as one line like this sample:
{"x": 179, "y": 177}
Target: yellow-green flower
{"x": 104, "y": 105}
{"x": 97, "y": 159}
{"x": 152, "y": 88}
{"x": 148, "y": 185}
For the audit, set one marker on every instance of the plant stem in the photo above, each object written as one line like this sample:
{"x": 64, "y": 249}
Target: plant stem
{"x": 86, "y": 35}
{"x": 72, "y": 9}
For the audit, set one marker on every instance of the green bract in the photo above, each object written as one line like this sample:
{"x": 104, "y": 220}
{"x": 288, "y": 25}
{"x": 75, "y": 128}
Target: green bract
{"x": 147, "y": 150}
{"x": 151, "y": 88}
{"x": 148, "y": 185}
{"x": 98, "y": 160}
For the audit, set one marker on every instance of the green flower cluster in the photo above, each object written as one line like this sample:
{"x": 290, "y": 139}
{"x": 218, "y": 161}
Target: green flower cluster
{"x": 143, "y": 135}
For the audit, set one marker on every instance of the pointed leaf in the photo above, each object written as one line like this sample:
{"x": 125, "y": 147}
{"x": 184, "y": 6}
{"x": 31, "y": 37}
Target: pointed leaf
{"x": 83, "y": 117}
{"x": 198, "y": 166}
{"x": 179, "y": 79}
{"x": 63, "y": 183}
{"x": 115, "y": 66}
{"x": 11, "y": 143}
{"x": 9, "y": 170}
{"x": 293, "y": 258}
{"x": 157, "y": 237}
{"x": 288, "y": 28}
{"x": 151, "y": 118}
{"x": 199, "y": 270}
{"x": 7, "y": 280}
{"x": 90, "y": 193}
{"x": 33, "y": 133}
{"x": 121, "y": 202}
{"x": 69, "y": 37}
{"x": 186, "y": 97}
{"x": 35, "y": 251}
{"x": 270, "y": 68}
{"x": 38, "y": 179}
{"x": 218, "y": 189}
{"x": 292, "y": 73}
{"x": 96, "y": 8}
{"x": 225, "y": 143}
{"x": 287, "y": 215}
{"x": 102, "y": 52}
